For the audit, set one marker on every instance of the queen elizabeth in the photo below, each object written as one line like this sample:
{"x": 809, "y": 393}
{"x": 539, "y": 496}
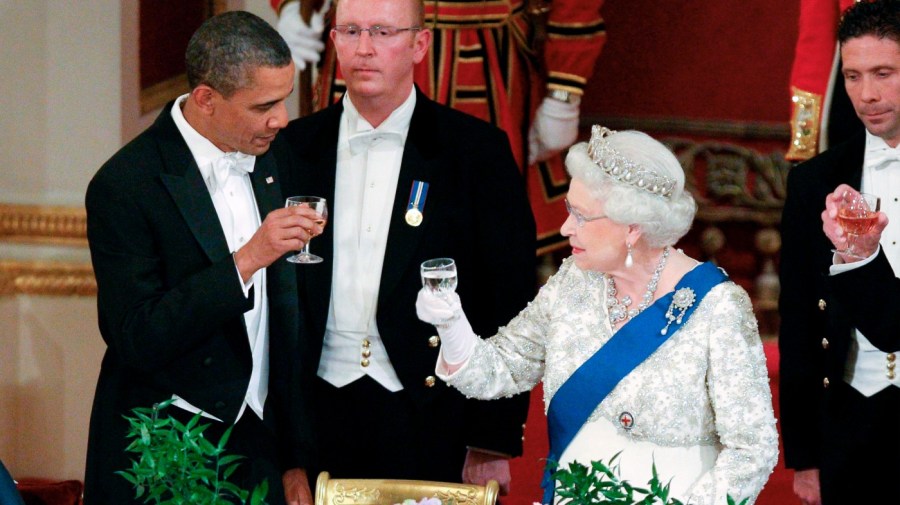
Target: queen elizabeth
{"x": 642, "y": 350}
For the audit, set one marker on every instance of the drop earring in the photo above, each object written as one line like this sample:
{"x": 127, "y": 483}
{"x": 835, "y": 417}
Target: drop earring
{"x": 629, "y": 261}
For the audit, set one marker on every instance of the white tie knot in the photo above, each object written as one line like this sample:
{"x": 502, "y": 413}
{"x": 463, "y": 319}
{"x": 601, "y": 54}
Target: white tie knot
{"x": 361, "y": 142}
{"x": 236, "y": 163}
{"x": 882, "y": 158}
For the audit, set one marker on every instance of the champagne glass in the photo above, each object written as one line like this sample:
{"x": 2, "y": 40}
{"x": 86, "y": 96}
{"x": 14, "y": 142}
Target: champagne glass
{"x": 320, "y": 206}
{"x": 857, "y": 214}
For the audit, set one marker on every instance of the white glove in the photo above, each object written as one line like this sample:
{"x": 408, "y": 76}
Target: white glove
{"x": 555, "y": 128}
{"x": 305, "y": 41}
{"x": 446, "y": 314}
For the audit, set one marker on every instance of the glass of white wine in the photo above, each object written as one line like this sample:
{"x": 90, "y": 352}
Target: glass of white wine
{"x": 320, "y": 206}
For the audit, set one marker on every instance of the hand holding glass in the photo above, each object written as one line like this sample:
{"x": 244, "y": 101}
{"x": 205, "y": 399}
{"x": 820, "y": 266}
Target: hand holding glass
{"x": 439, "y": 277}
{"x": 857, "y": 214}
{"x": 320, "y": 206}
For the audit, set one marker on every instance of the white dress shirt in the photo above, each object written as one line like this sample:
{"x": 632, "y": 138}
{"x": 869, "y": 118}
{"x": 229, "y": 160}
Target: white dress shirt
{"x": 239, "y": 216}
{"x": 866, "y": 368}
{"x": 366, "y": 181}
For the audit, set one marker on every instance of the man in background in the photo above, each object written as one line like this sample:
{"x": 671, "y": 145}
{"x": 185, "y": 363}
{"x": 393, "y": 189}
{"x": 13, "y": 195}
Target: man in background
{"x": 407, "y": 180}
{"x": 840, "y": 332}
{"x": 821, "y": 113}
{"x": 521, "y": 65}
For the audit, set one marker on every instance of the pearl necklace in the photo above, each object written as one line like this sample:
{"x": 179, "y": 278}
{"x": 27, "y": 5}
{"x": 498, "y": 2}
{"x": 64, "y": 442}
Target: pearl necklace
{"x": 618, "y": 310}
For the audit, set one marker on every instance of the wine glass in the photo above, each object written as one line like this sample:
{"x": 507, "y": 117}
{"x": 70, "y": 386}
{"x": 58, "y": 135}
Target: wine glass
{"x": 319, "y": 205}
{"x": 857, "y": 214}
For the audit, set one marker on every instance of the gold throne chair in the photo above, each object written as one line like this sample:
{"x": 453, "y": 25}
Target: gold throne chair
{"x": 389, "y": 491}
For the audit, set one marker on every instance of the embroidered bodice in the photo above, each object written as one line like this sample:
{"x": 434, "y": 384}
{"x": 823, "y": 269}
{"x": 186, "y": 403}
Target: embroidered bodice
{"x": 707, "y": 385}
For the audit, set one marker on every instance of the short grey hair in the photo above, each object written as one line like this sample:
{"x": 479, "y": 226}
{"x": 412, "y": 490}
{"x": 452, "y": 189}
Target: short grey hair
{"x": 663, "y": 220}
{"x": 225, "y": 51}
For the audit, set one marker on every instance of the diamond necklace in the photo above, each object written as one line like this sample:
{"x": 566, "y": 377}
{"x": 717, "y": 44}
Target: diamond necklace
{"x": 618, "y": 310}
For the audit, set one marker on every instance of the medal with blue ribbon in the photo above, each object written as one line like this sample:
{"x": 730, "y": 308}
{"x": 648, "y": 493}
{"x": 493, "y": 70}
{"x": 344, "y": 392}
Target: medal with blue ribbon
{"x": 416, "y": 204}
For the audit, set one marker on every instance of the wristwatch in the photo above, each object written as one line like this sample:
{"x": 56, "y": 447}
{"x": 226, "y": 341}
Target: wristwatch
{"x": 561, "y": 95}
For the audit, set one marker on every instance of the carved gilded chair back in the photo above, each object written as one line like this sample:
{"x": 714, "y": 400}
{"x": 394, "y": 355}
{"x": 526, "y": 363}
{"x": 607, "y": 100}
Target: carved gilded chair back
{"x": 388, "y": 491}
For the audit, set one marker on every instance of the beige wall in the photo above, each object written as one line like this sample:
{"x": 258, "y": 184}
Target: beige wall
{"x": 68, "y": 76}
{"x": 46, "y": 387}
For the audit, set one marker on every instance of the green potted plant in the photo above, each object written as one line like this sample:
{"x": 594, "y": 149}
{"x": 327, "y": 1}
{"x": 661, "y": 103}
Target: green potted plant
{"x": 600, "y": 483}
{"x": 178, "y": 465}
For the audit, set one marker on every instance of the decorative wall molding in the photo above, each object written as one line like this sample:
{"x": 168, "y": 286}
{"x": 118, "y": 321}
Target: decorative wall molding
{"x": 46, "y": 278}
{"x": 43, "y": 224}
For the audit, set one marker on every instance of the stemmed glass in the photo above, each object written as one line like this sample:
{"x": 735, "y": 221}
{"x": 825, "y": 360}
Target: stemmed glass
{"x": 320, "y": 206}
{"x": 439, "y": 276}
{"x": 857, "y": 214}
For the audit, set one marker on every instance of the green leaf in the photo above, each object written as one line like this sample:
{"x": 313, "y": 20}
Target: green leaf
{"x": 128, "y": 476}
{"x": 177, "y": 465}
{"x": 230, "y": 470}
{"x": 259, "y": 493}
{"x": 226, "y": 460}
{"x": 225, "y": 437}
{"x": 600, "y": 483}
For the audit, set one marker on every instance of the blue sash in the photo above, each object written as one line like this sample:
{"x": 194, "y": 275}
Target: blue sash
{"x": 579, "y": 396}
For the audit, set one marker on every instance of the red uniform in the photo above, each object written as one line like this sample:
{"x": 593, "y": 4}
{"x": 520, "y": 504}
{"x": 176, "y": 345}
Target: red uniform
{"x": 482, "y": 62}
{"x": 816, "y": 59}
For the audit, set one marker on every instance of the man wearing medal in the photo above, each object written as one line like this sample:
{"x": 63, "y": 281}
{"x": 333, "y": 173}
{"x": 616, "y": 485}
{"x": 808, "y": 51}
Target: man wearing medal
{"x": 410, "y": 180}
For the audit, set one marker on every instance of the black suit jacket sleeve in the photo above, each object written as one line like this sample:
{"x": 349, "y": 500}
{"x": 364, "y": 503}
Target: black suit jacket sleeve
{"x": 814, "y": 334}
{"x": 169, "y": 299}
{"x": 870, "y": 296}
{"x": 150, "y": 318}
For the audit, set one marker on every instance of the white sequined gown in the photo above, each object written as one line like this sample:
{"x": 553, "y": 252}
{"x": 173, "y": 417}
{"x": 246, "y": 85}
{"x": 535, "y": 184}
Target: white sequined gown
{"x": 701, "y": 404}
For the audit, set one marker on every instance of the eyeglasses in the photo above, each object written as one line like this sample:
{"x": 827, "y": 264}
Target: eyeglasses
{"x": 378, "y": 33}
{"x": 580, "y": 218}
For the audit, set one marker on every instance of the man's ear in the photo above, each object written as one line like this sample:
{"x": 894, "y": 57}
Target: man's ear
{"x": 421, "y": 43}
{"x": 204, "y": 98}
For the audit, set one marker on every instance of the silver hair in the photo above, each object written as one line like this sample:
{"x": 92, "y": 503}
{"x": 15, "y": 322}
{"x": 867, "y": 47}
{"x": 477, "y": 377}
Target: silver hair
{"x": 663, "y": 220}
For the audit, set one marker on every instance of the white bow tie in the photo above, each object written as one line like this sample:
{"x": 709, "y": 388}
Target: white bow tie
{"x": 881, "y": 158}
{"x": 361, "y": 142}
{"x": 236, "y": 163}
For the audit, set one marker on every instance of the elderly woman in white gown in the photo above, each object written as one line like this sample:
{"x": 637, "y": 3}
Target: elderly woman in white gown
{"x": 642, "y": 350}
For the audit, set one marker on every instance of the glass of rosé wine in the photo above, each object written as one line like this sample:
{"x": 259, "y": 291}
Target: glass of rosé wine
{"x": 857, "y": 214}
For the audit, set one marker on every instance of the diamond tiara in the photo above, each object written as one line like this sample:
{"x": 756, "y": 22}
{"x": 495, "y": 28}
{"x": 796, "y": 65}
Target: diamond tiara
{"x": 622, "y": 169}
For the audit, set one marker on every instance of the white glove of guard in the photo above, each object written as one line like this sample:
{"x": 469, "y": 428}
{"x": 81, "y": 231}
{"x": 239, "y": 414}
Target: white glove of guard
{"x": 555, "y": 128}
{"x": 446, "y": 314}
{"x": 305, "y": 41}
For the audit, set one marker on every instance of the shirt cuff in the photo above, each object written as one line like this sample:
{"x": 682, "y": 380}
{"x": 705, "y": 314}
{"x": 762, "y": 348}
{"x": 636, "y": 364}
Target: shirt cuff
{"x": 244, "y": 285}
{"x": 838, "y": 266}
